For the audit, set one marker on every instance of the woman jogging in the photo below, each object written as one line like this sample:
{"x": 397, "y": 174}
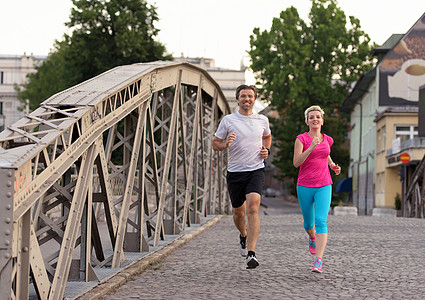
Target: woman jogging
{"x": 314, "y": 186}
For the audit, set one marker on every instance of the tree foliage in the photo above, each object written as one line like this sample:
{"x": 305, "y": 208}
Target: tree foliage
{"x": 105, "y": 34}
{"x": 299, "y": 64}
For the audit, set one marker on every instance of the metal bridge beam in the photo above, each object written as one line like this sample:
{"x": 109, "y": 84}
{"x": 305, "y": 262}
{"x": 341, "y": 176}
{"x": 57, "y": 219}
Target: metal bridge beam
{"x": 132, "y": 147}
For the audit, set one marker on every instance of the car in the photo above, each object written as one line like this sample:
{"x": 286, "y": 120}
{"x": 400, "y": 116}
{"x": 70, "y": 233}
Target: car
{"x": 270, "y": 192}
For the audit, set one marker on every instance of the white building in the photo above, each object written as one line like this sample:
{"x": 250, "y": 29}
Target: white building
{"x": 228, "y": 79}
{"x": 15, "y": 68}
{"x": 13, "y": 71}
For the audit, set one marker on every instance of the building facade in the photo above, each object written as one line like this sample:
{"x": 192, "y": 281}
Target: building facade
{"x": 15, "y": 68}
{"x": 13, "y": 72}
{"x": 383, "y": 107}
{"x": 228, "y": 79}
{"x": 400, "y": 125}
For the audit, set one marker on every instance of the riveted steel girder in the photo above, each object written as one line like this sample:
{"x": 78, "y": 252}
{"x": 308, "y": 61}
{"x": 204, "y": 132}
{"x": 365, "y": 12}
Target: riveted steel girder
{"x": 104, "y": 168}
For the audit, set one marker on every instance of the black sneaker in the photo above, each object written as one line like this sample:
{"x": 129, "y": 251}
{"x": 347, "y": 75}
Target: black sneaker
{"x": 242, "y": 241}
{"x": 252, "y": 262}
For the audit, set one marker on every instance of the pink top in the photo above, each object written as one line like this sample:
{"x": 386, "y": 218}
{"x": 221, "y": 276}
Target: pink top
{"x": 314, "y": 171}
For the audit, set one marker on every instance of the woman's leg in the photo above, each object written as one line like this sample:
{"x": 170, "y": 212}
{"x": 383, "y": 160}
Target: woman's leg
{"x": 305, "y": 198}
{"x": 322, "y": 200}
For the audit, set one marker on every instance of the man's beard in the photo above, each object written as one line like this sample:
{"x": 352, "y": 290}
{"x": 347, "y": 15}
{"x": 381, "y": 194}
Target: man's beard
{"x": 245, "y": 108}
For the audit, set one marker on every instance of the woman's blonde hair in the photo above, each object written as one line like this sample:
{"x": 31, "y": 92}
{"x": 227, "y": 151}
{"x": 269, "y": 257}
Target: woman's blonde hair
{"x": 313, "y": 108}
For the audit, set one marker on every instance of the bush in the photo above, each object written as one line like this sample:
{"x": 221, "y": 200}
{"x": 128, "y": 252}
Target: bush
{"x": 397, "y": 202}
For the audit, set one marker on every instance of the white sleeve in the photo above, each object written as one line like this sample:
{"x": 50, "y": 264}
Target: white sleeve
{"x": 221, "y": 132}
{"x": 267, "y": 130}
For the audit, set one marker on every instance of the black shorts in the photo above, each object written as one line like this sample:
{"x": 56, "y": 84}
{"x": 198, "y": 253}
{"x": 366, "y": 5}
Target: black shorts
{"x": 241, "y": 183}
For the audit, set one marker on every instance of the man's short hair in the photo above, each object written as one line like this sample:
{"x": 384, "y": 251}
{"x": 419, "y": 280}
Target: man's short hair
{"x": 246, "y": 87}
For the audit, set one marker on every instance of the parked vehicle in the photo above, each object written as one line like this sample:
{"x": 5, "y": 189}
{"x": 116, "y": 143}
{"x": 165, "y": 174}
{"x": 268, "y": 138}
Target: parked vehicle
{"x": 270, "y": 192}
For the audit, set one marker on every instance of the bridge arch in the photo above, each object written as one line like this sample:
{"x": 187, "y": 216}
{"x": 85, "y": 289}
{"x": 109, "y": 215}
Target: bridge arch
{"x": 132, "y": 146}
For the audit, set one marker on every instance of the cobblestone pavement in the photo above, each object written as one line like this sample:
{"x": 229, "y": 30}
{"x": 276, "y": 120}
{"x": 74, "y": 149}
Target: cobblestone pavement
{"x": 366, "y": 258}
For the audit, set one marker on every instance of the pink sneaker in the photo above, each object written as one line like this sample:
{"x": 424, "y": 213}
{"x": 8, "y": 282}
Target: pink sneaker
{"x": 317, "y": 266}
{"x": 312, "y": 245}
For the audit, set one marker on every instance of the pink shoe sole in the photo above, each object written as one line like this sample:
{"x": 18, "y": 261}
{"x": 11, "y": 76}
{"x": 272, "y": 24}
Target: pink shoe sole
{"x": 317, "y": 266}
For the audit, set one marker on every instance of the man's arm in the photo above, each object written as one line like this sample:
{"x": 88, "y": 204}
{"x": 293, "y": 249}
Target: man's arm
{"x": 219, "y": 144}
{"x": 267, "y": 143}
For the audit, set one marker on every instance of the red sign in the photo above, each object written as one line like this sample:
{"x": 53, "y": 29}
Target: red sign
{"x": 405, "y": 158}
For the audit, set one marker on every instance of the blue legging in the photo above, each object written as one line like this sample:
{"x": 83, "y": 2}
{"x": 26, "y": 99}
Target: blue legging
{"x": 315, "y": 203}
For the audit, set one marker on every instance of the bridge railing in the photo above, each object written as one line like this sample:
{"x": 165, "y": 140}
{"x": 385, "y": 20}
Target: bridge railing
{"x": 146, "y": 128}
{"x": 414, "y": 198}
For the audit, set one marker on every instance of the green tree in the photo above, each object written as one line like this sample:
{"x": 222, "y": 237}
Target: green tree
{"x": 298, "y": 65}
{"x": 105, "y": 34}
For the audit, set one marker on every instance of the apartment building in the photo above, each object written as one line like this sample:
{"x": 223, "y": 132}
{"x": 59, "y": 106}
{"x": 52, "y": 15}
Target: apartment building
{"x": 383, "y": 107}
{"x": 13, "y": 72}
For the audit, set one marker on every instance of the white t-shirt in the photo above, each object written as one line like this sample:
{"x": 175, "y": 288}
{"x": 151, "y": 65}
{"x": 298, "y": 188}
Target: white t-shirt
{"x": 244, "y": 152}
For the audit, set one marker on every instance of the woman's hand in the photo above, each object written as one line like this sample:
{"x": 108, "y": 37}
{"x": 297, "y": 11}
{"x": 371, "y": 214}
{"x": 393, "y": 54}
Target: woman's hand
{"x": 336, "y": 168}
{"x": 314, "y": 143}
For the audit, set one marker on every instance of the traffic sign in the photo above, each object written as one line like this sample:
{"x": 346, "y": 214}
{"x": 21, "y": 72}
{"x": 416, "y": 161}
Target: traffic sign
{"x": 405, "y": 158}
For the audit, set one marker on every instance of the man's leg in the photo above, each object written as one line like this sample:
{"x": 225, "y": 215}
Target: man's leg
{"x": 239, "y": 218}
{"x": 252, "y": 207}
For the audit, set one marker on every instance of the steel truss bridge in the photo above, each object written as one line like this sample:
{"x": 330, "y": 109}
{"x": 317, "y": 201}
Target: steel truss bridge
{"x": 132, "y": 147}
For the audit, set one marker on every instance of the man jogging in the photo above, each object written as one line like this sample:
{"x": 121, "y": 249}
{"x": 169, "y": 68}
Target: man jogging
{"x": 247, "y": 135}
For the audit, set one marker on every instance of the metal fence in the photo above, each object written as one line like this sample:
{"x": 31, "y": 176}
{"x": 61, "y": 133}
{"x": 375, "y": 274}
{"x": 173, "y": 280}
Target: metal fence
{"x": 132, "y": 146}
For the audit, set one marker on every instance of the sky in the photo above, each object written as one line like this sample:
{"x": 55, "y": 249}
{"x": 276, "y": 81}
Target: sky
{"x": 217, "y": 29}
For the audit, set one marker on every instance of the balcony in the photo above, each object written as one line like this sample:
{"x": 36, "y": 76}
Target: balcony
{"x": 414, "y": 147}
{"x": 418, "y": 142}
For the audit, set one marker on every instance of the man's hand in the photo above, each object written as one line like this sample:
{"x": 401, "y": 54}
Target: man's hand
{"x": 264, "y": 153}
{"x": 230, "y": 139}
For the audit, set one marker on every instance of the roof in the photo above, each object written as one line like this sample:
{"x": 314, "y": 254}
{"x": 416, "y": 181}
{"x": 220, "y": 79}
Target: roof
{"x": 388, "y": 45}
{"x": 361, "y": 87}
{"x": 16, "y": 56}
{"x": 398, "y": 110}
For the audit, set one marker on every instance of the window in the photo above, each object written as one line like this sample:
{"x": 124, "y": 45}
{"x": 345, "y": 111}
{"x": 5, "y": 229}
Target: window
{"x": 380, "y": 183}
{"x": 380, "y": 140}
{"x": 406, "y": 132}
{"x": 384, "y": 138}
{"x": 2, "y": 117}
{"x": 1, "y": 77}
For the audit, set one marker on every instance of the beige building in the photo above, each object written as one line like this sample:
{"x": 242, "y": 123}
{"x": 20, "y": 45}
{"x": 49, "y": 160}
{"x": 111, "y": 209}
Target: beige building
{"x": 13, "y": 71}
{"x": 396, "y": 134}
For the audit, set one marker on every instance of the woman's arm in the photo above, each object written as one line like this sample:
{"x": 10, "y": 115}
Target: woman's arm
{"x": 299, "y": 155}
{"x": 333, "y": 166}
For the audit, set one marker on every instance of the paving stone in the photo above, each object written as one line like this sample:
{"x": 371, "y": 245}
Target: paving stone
{"x": 365, "y": 258}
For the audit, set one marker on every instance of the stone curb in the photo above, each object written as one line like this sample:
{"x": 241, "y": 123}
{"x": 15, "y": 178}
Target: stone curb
{"x": 345, "y": 211}
{"x": 127, "y": 274}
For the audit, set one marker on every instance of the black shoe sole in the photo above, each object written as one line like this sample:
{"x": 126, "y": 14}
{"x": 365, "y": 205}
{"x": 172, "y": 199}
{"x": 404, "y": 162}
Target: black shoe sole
{"x": 252, "y": 264}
